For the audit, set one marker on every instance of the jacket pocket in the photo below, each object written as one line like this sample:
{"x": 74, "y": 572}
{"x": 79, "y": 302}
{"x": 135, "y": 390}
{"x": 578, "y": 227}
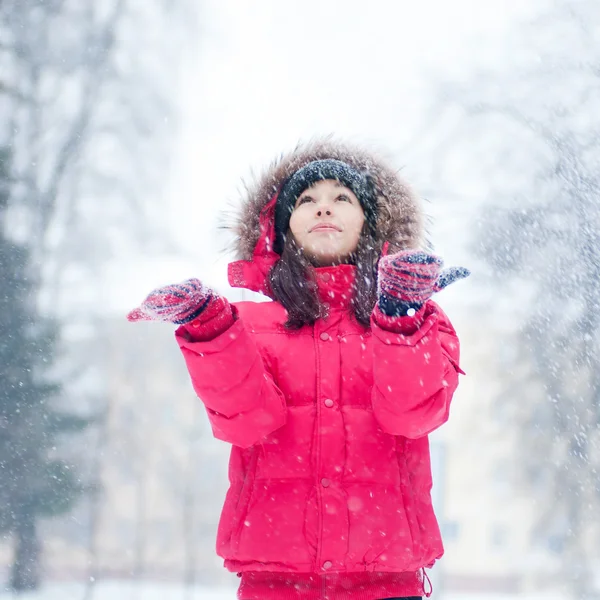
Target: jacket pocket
{"x": 453, "y": 363}
{"x": 243, "y": 502}
{"x": 408, "y": 498}
{"x": 311, "y": 523}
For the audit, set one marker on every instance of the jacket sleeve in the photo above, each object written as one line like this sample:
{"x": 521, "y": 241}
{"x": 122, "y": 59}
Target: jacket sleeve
{"x": 415, "y": 370}
{"x": 228, "y": 373}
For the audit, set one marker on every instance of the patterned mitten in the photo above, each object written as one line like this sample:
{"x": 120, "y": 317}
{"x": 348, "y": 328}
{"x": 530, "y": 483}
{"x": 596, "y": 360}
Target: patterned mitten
{"x": 178, "y": 303}
{"x": 407, "y": 279}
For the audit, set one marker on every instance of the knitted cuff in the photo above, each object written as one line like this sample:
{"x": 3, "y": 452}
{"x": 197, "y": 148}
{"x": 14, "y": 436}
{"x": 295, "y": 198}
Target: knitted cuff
{"x": 394, "y": 307}
{"x": 405, "y": 325}
{"x": 215, "y": 319}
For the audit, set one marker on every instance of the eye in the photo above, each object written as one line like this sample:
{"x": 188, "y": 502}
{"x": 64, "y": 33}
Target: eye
{"x": 344, "y": 198}
{"x": 304, "y": 199}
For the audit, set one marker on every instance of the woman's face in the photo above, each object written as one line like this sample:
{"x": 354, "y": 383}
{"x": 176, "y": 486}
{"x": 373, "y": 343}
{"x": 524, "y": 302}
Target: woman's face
{"x": 327, "y": 222}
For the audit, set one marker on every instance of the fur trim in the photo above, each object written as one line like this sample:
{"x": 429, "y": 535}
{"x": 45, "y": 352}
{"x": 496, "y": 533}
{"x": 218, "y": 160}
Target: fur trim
{"x": 400, "y": 215}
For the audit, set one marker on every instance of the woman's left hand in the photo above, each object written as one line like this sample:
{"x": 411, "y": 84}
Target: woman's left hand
{"x": 411, "y": 277}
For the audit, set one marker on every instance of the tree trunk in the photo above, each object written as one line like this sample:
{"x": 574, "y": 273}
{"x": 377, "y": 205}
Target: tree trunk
{"x": 25, "y": 573}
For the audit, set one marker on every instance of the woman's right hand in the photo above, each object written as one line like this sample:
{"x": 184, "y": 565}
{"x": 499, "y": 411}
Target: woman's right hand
{"x": 178, "y": 303}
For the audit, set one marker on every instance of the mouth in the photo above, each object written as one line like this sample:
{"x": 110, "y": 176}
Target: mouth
{"x": 325, "y": 227}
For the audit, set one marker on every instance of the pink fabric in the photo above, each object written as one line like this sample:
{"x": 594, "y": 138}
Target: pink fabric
{"x": 253, "y": 274}
{"x": 214, "y": 320}
{"x": 339, "y": 586}
{"x": 406, "y": 325}
{"x": 329, "y": 470}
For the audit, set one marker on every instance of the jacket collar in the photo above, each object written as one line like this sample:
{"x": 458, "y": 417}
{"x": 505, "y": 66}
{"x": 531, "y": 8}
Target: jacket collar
{"x": 334, "y": 285}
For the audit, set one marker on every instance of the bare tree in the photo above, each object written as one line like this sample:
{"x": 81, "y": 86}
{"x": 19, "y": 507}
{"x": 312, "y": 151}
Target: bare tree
{"x": 87, "y": 116}
{"x": 546, "y": 236}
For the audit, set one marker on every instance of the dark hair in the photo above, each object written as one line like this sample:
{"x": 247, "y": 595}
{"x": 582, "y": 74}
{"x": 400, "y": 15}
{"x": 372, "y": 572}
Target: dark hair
{"x": 293, "y": 284}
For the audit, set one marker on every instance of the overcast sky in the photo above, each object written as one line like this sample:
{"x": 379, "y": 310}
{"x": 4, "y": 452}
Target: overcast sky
{"x": 267, "y": 73}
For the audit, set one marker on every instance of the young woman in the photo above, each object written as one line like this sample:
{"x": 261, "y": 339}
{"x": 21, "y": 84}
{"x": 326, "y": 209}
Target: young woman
{"x": 328, "y": 392}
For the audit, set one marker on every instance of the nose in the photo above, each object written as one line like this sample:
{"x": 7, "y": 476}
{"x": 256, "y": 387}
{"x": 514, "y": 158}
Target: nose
{"x": 321, "y": 211}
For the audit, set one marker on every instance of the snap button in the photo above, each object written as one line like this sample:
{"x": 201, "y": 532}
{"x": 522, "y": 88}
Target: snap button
{"x": 325, "y": 482}
{"x": 195, "y": 324}
{"x": 327, "y": 564}
{"x": 325, "y": 276}
{"x": 328, "y": 403}
{"x": 324, "y": 336}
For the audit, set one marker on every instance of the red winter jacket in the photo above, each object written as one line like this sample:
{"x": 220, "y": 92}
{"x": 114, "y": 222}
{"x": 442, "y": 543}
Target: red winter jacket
{"x": 330, "y": 460}
{"x": 330, "y": 468}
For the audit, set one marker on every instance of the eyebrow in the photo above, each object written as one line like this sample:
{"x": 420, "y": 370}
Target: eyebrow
{"x": 337, "y": 184}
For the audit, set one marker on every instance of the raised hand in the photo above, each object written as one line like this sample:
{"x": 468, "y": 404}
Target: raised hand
{"x": 409, "y": 278}
{"x": 177, "y": 303}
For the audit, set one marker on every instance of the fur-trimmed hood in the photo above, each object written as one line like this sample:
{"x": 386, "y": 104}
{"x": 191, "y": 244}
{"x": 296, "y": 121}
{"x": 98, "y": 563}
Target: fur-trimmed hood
{"x": 400, "y": 217}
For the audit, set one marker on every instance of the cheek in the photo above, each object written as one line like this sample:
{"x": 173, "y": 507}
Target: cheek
{"x": 356, "y": 226}
{"x": 295, "y": 229}
{"x": 352, "y": 240}
{"x": 297, "y": 222}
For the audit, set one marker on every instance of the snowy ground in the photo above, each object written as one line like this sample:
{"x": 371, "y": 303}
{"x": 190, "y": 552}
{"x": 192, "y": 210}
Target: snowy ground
{"x": 159, "y": 591}
{"x": 127, "y": 591}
